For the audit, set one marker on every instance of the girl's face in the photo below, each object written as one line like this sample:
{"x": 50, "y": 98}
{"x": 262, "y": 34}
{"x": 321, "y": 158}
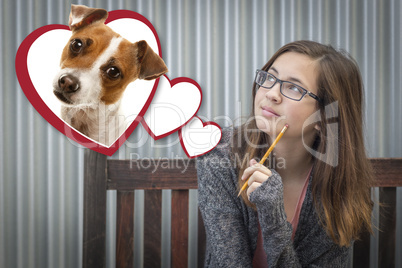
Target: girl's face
{"x": 273, "y": 110}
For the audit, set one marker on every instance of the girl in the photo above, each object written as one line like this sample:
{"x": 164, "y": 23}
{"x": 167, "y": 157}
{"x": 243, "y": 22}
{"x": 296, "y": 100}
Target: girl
{"x": 312, "y": 202}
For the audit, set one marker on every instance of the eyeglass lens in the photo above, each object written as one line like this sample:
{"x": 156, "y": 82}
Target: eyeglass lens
{"x": 288, "y": 89}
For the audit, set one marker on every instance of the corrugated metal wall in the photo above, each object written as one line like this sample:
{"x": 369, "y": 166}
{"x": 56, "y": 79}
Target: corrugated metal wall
{"x": 219, "y": 44}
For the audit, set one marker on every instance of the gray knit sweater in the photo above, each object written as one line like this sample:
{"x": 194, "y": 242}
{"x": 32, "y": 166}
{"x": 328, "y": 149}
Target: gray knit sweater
{"x": 232, "y": 227}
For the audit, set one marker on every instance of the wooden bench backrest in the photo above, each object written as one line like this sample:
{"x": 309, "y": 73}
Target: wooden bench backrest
{"x": 125, "y": 177}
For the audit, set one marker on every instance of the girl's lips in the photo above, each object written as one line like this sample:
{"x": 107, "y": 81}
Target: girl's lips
{"x": 268, "y": 112}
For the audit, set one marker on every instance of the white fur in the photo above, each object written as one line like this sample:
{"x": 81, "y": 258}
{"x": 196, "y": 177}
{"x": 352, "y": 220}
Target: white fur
{"x": 75, "y": 20}
{"x": 103, "y": 121}
{"x": 90, "y": 79}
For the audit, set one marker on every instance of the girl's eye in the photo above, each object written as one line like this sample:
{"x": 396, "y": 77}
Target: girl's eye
{"x": 271, "y": 78}
{"x": 294, "y": 88}
{"x": 76, "y": 45}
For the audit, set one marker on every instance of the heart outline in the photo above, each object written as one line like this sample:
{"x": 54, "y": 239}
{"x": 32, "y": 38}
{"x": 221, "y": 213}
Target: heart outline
{"x": 173, "y": 82}
{"x": 21, "y": 68}
{"x": 204, "y": 124}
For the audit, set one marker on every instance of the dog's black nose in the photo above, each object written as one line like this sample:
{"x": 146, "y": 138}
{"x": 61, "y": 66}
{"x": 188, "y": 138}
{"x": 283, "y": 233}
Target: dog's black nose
{"x": 68, "y": 83}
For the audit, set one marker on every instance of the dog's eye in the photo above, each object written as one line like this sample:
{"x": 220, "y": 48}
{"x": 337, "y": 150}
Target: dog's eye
{"x": 76, "y": 46}
{"x": 113, "y": 72}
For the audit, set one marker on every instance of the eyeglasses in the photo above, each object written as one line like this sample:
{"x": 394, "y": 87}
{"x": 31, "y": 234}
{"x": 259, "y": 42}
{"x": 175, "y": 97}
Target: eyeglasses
{"x": 288, "y": 89}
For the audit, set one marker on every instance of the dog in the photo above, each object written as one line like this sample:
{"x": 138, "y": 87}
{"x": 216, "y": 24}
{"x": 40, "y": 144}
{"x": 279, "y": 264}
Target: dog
{"x": 96, "y": 65}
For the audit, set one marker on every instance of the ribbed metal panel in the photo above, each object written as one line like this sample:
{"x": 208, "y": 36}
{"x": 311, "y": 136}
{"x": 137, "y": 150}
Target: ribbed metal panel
{"x": 219, "y": 44}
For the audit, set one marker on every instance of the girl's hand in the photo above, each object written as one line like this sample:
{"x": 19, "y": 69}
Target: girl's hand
{"x": 257, "y": 174}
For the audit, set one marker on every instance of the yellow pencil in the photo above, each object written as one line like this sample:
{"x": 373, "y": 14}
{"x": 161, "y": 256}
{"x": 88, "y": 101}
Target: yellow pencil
{"x": 266, "y": 155}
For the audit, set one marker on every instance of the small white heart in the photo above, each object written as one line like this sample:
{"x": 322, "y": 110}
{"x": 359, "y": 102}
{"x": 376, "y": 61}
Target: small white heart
{"x": 198, "y": 138}
{"x": 174, "y": 104}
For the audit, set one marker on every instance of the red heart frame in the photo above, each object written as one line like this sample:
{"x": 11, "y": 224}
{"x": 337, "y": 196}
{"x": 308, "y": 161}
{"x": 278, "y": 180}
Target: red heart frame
{"x": 172, "y": 83}
{"x": 21, "y": 68}
{"x": 204, "y": 124}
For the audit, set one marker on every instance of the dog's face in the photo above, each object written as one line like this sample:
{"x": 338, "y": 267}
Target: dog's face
{"x": 97, "y": 64}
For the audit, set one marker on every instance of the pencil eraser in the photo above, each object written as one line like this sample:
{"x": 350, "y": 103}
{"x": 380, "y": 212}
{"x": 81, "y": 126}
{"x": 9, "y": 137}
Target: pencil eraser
{"x": 287, "y": 125}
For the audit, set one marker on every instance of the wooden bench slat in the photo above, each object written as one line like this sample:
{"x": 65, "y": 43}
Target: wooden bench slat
{"x": 168, "y": 174}
{"x": 125, "y": 229}
{"x": 387, "y": 226}
{"x": 152, "y": 228}
{"x": 179, "y": 234}
{"x": 361, "y": 251}
{"x": 94, "y": 237}
{"x": 133, "y": 174}
{"x": 125, "y": 175}
{"x": 388, "y": 172}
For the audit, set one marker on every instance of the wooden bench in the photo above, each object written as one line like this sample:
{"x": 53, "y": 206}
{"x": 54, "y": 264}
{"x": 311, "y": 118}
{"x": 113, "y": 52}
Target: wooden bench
{"x": 124, "y": 176}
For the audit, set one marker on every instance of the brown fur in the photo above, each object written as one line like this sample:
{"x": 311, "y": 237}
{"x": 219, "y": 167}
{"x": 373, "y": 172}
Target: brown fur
{"x": 99, "y": 35}
{"x": 147, "y": 64}
{"x": 114, "y": 89}
{"x": 134, "y": 60}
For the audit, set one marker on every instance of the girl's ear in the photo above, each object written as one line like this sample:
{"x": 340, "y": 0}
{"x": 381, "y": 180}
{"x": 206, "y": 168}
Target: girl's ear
{"x": 317, "y": 127}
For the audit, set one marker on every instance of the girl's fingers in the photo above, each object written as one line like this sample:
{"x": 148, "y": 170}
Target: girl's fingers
{"x": 252, "y": 188}
{"x": 255, "y": 167}
{"x": 257, "y": 176}
{"x": 253, "y": 162}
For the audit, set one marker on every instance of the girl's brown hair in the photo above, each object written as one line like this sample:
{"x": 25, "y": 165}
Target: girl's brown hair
{"x": 342, "y": 174}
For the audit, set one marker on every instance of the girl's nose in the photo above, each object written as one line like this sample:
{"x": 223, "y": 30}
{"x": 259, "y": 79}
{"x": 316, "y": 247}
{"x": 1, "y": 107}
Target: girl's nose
{"x": 274, "y": 94}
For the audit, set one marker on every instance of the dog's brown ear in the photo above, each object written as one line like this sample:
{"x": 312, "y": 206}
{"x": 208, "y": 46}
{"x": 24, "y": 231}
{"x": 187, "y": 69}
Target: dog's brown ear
{"x": 81, "y": 16}
{"x": 151, "y": 65}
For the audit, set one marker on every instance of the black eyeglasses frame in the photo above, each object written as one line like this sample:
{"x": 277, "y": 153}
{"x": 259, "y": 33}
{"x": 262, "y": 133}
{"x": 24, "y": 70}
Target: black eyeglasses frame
{"x": 277, "y": 80}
